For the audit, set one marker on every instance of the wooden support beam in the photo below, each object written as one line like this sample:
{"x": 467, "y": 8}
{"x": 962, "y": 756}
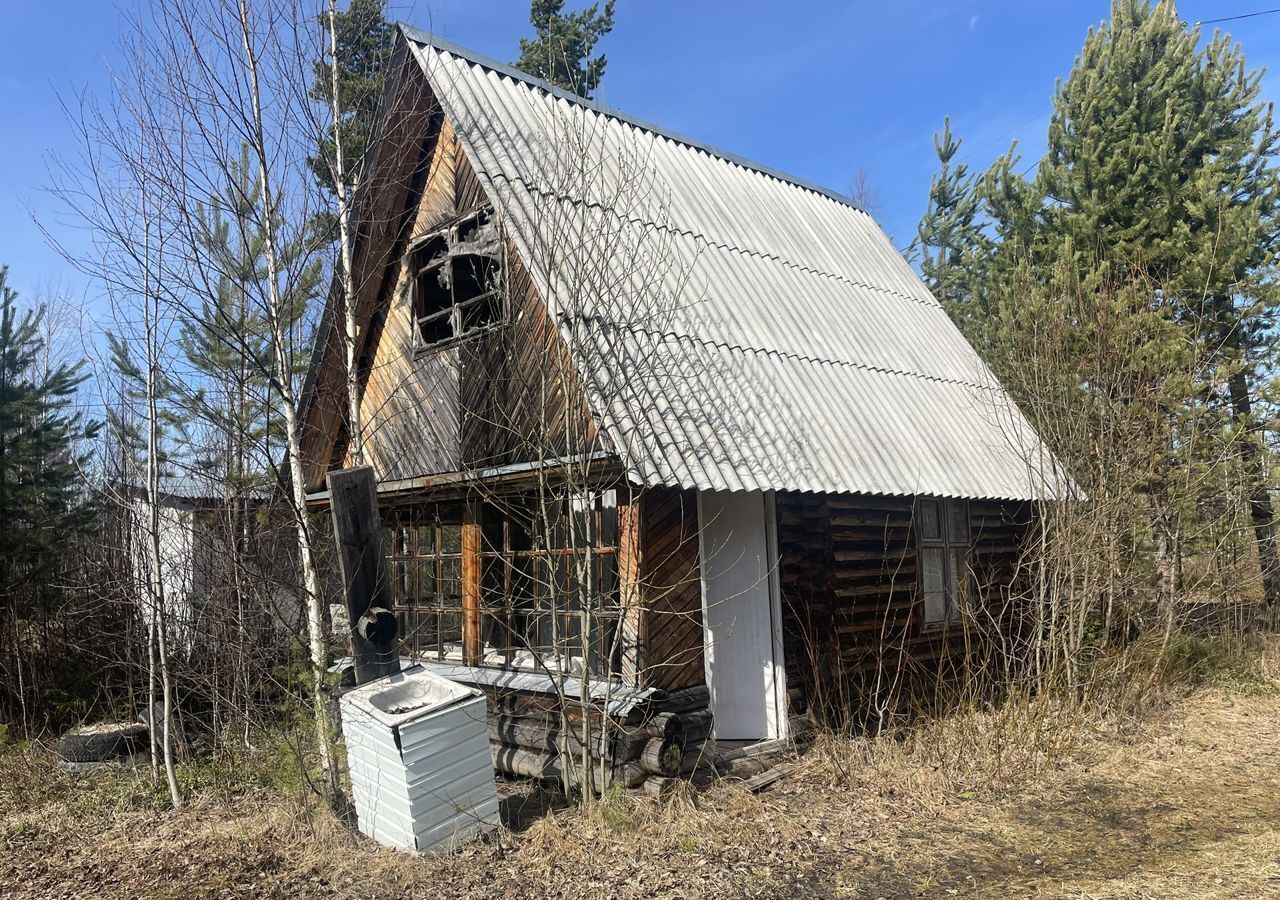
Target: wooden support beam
{"x": 630, "y": 594}
{"x": 472, "y": 645}
{"x": 357, "y": 533}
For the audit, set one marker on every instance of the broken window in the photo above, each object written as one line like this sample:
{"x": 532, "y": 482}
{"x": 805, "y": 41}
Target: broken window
{"x": 942, "y": 532}
{"x": 456, "y": 283}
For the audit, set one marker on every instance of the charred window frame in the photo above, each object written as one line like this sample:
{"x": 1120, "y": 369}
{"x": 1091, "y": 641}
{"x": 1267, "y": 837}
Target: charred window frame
{"x": 533, "y": 569}
{"x": 456, "y": 281}
{"x": 423, "y": 546}
{"x": 945, "y": 546}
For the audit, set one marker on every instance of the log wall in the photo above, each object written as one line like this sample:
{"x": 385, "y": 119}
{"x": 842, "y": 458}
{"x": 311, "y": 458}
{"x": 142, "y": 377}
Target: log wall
{"x": 852, "y": 618}
{"x": 665, "y": 736}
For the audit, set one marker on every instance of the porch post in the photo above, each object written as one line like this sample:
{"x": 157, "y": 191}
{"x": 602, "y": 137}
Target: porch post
{"x": 472, "y": 644}
{"x": 630, "y": 593}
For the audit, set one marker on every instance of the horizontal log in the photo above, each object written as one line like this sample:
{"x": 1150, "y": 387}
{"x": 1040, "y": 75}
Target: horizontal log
{"x": 743, "y": 767}
{"x": 867, "y": 551}
{"x": 869, "y": 503}
{"x": 665, "y": 725}
{"x": 525, "y": 733}
{"x": 697, "y": 725}
{"x": 854, "y": 591}
{"x": 660, "y": 786}
{"x": 662, "y": 755}
{"x": 700, "y": 757}
{"x": 757, "y": 783}
{"x": 548, "y": 766}
{"x": 690, "y": 698}
{"x": 629, "y": 743}
{"x": 889, "y": 533}
{"x": 893, "y": 627}
{"x": 771, "y": 747}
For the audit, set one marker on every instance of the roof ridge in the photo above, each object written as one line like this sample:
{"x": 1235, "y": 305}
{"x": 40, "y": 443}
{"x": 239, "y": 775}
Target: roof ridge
{"x": 435, "y": 41}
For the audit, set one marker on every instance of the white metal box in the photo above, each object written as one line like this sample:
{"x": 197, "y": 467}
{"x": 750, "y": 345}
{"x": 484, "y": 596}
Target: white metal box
{"x": 418, "y": 753}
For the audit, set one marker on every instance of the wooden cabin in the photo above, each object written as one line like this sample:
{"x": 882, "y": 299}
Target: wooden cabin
{"x": 592, "y": 351}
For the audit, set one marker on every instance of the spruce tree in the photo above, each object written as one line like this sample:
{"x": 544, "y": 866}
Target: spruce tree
{"x": 560, "y": 52}
{"x": 42, "y": 503}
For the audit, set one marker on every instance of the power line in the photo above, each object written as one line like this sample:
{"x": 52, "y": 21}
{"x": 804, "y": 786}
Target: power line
{"x": 1264, "y": 12}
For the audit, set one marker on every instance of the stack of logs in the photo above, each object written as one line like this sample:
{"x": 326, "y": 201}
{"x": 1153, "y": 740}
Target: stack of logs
{"x": 665, "y": 738}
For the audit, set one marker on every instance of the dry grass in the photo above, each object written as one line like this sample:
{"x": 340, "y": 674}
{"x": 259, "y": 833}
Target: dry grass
{"x": 1181, "y": 804}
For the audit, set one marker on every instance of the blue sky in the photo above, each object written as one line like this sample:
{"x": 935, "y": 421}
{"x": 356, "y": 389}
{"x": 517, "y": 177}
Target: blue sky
{"x": 817, "y": 89}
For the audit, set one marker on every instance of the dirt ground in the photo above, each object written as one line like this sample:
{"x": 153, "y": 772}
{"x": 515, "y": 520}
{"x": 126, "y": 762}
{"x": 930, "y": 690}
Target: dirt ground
{"x": 1187, "y": 805}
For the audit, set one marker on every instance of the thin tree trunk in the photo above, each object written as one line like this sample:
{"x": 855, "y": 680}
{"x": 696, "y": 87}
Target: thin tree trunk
{"x": 293, "y": 436}
{"x": 1258, "y": 495}
{"x": 339, "y": 171}
{"x": 1252, "y": 464}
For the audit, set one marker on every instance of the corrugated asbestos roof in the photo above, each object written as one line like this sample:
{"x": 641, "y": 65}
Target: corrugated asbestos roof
{"x": 735, "y": 329}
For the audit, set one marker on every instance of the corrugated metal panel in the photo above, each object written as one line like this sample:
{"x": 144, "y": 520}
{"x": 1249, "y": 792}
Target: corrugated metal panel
{"x": 737, "y": 330}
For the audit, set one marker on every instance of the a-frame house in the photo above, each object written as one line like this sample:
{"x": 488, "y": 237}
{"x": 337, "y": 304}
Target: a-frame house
{"x": 593, "y": 352}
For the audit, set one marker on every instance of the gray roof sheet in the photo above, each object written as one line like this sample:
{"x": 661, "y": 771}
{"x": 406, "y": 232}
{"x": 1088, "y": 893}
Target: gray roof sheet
{"x": 736, "y": 329}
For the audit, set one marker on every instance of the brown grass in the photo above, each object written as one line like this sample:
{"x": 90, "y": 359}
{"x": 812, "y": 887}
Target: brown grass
{"x": 1185, "y": 803}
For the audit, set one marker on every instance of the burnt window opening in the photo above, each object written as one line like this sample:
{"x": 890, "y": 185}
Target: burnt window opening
{"x": 457, "y": 274}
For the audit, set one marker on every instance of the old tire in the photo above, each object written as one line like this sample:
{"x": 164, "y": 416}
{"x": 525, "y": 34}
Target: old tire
{"x": 105, "y": 741}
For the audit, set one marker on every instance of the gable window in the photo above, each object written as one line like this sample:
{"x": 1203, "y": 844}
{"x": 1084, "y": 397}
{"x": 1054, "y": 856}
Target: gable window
{"x": 942, "y": 533}
{"x": 456, "y": 275}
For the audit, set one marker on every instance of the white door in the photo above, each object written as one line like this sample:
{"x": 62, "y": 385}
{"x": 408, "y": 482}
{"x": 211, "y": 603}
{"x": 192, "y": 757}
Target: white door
{"x": 741, "y": 614}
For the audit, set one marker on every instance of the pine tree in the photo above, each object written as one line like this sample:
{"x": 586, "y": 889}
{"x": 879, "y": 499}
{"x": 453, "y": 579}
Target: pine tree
{"x": 225, "y": 339}
{"x": 1161, "y": 159}
{"x": 952, "y": 247}
{"x": 560, "y": 53}
{"x": 365, "y": 40}
{"x": 1159, "y": 180}
{"x": 42, "y": 503}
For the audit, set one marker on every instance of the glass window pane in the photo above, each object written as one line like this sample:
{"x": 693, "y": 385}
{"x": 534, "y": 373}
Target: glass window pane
{"x": 609, "y": 518}
{"x": 957, "y": 522}
{"x": 450, "y": 587}
{"x": 932, "y": 562}
{"x": 451, "y": 538}
{"x": 928, "y": 519}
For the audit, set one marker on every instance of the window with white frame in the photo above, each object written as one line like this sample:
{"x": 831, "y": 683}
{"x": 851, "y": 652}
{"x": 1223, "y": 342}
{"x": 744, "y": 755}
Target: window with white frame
{"x": 942, "y": 533}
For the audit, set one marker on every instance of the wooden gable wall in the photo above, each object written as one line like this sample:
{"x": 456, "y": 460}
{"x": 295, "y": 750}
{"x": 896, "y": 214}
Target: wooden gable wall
{"x": 387, "y": 201}
{"x": 410, "y": 402}
{"x": 507, "y": 395}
